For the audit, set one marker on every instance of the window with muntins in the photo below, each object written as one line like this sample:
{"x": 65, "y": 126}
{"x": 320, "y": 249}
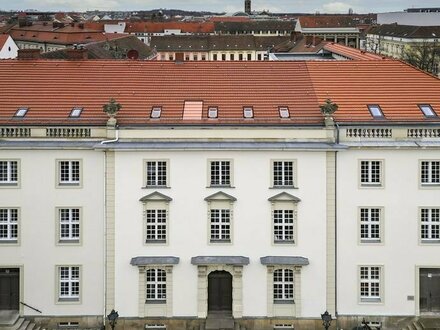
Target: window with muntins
{"x": 283, "y": 286}
{"x": 371, "y": 173}
{"x": 283, "y": 226}
{"x": 69, "y": 172}
{"x": 156, "y": 285}
{"x": 69, "y": 225}
{"x": 220, "y": 173}
{"x": 283, "y": 173}
{"x": 430, "y": 172}
{"x": 370, "y": 225}
{"x": 156, "y": 173}
{"x": 8, "y": 225}
{"x": 69, "y": 277}
{"x": 430, "y": 225}
{"x": 156, "y": 226}
{"x": 370, "y": 283}
{"x": 220, "y": 225}
{"x": 8, "y": 172}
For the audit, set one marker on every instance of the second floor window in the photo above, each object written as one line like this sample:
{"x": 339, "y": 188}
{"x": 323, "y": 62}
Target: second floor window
{"x": 69, "y": 172}
{"x": 371, "y": 172}
{"x": 370, "y": 225}
{"x": 220, "y": 171}
{"x": 156, "y": 173}
{"x": 283, "y": 173}
{"x": 8, "y": 172}
{"x": 430, "y": 172}
{"x": 156, "y": 226}
{"x": 283, "y": 226}
{"x": 69, "y": 224}
{"x": 8, "y": 225}
{"x": 220, "y": 225}
{"x": 430, "y": 225}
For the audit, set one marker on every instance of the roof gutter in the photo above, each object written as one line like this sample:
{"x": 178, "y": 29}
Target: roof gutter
{"x": 116, "y": 139}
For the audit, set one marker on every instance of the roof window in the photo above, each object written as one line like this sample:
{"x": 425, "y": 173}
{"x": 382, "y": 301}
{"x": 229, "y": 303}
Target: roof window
{"x": 427, "y": 110}
{"x": 76, "y": 112}
{"x": 284, "y": 112}
{"x": 156, "y": 112}
{"x": 21, "y": 112}
{"x": 248, "y": 112}
{"x": 212, "y": 112}
{"x": 375, "y": 111}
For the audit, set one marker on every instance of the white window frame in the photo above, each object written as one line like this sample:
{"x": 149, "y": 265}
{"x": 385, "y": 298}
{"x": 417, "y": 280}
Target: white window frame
{"x": 287, "y": 286}
{"x": 431, "y": 172}
{"x": 224, "y": 180}
{"x": 72, "y": 180}
{"x": 224, "y": 225}
{"x": 71, "y": 280}
{"x": 284, "y": 226}
{"x": 157, "y": 180}
{"x": 284, "y": 176}
{"x": 158, "y": 284}
{"x": 367, "y": 220}
{"x": 12, "y": 179}
{"x": 429, "y": 218}
{"x": 11, "y": 225}
{"x": 366, "y": 278}
{"x": 370, "y": 179}
{"x": 70, "y": 222}
{"x": 154, "y": 227}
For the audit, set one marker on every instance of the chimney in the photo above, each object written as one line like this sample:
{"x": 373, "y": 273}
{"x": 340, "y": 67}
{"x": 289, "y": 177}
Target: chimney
{"x": 28, "y": 54}
{"x": 79, "y": 53}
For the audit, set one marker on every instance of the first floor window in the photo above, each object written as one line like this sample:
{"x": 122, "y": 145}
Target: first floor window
{"x": 370, "y": 225}
{"x": 69, "y": 172}
{"x": 156, "y": 173}
{"x": 371, "y": 172}
{"x": 283, "y": 285}
{"x": 69, "y": 224}
{"x": 283, "y": 226}
{"x": 156, "y": 226}
{"x": 430, "y": 172}
{"x": 8, "y": 225}
{"x": 8, "y": 172}
{"x": 69, "y": 277}
{"x": 430, "y": 224}
{"x": 156, "y": 285}
{"x": 283, "y": 173}
{"x": 370, "y": 283}
{"x": 220, "y": 225}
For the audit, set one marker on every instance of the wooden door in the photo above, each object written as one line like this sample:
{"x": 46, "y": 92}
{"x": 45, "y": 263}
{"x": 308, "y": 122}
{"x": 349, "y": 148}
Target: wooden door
{"x": 9, "y": 288}
{"x": 220, "y": 291}
{"x": 430, "y": 290}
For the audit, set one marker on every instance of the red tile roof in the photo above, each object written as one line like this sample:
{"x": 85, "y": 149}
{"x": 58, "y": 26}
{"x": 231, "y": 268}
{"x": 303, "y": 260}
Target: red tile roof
{"x": 160, "y": 27}
{"x": 3, "y": 39}
{"x": 350, "y": 52}
{"x": 50, "y": 88}
{"x": 335, "y": 21}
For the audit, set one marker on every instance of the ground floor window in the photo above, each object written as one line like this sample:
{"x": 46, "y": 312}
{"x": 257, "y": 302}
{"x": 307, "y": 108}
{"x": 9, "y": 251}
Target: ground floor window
{"x": 156, "y": 285}
{"x": 283, "y": 285}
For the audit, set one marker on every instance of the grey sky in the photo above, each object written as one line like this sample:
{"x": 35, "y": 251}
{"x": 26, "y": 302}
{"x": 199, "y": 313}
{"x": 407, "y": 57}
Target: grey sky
{"x": 311, "y": 6}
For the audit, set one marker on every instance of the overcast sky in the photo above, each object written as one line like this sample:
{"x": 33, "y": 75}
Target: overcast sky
{"x": 310, "y": 6}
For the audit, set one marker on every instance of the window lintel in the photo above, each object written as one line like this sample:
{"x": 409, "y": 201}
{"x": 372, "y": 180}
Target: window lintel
{"x": 284, "y": 197}
{"x": 155, "y": 196}
{"x": 220, "y": 196}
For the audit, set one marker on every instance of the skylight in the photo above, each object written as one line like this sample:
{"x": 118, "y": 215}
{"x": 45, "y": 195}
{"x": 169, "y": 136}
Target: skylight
{"x": 212, "y": 112}
{"x": 284, "y": 112}
{"x": 76, "y": 112}
{"x": 375, "y": 111}
{"x": 248, "y": 112}
{"x": 156, "y": 112}
{"x": 427, "y": 110}
{"x": 21, "y": 112}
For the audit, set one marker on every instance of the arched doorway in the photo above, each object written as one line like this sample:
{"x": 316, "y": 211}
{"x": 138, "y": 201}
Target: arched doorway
{"x": 220, "y": 292}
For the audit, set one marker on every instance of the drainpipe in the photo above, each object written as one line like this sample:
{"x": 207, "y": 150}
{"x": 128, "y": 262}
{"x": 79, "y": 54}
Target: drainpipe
{"x": 336, "y": 226}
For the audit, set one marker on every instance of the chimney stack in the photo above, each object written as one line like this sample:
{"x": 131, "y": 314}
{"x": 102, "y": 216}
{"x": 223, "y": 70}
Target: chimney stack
{"x": 28, "y": 54}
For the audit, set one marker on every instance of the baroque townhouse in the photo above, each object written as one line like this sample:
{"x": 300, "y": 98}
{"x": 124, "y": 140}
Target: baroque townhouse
{"x": 215, "y": 195}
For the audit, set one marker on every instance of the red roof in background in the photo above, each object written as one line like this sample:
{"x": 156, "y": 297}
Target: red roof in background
{"x": 159, "y": 27}
{"x": 350, "y": 52}
{"x": 334, "y": 21}
{"x": 50, "y": 88}
{"x": 3, "y": 39}
{"x": 229, "y": 19}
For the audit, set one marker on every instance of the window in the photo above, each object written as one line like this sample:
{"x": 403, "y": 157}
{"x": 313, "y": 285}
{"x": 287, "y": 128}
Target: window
{"x": 220, "y": 225}
{"x": 156, "y": 173}
{"x": 283, "y": 226}
{"x": 203, "y": 57}
{"x": 430, "y": 172}
{"x": 21, "y": 112}
{"x": 223, "y": 57}
{"x": 8, "y": 225}
{"x": 427, "y": 110}
{"x": 68, "y": 325}
{"x": 375, "y": 111}
{"x": 284, "y": 112}
{"x": 248, "y": 112}
{"x": 155, "y": 326}
{"x": 156, "y": 112}
{"x": 231, "y": 57}
{"x": 76, "y": 112}
{"x": 156, "y": 226}
{"x": 283, "y": 173}
{"x": 240, "y": 57}
{"x": 212, "y": 112}
{"x": 214, "y": 57}
{"x": 430, "y": 225}
{"x": 282, "y": 326}
{"x": 156, "y": 285}
{"x": 371, "y": 172}
{"x": 69, "y": 222}
{"x": 283, "y": 286}
{"x": 370, "y": 289}
{"x": 259, "y": 57}
{"x": 370, "y": 225}
{"x": 195, "y": 57}
{"x": 249, "y": 57}
{"x": 69, "y": 283}
{"x": 69, "y": 172}
{"x": 8, "y": 172}
{"x": 220, "y": 173}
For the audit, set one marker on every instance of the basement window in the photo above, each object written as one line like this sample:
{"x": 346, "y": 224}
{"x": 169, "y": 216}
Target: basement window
{"x": 156, "y": 112}
{"x": 155, "y": 326}
{"x": 68, "y": 325}
{"x": 284, "y": 112}
{"x": 427, "y": 110}
{"x": 76, "y": 112}
{"x": 21, "y": 112}
{"x": 248, "y": 112}
{"x": 375, "y": 111}
{"x": 212, "y": 112}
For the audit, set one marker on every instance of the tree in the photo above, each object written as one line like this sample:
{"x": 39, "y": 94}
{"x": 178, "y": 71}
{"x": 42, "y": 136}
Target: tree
{"x": 425, "y": 56}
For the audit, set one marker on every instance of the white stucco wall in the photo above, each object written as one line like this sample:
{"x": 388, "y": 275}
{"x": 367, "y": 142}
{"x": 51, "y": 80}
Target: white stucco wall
{"x": 9, "y": 50}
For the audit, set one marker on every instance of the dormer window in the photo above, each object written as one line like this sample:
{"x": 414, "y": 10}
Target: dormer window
{"x": 156, "y": 112}
{"x": 212, "y": 112}
{"x": 76, "y": 112}
{"x": 376, "y": 111}
{"x": 21, "y": 112}
{"x": 284, "y": 112}
{"x": 427, "y": 110}
{"x": 248, "y": 112}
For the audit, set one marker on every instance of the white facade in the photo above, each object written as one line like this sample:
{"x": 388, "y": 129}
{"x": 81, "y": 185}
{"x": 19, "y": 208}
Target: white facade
{"x": 9, "y": 49}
